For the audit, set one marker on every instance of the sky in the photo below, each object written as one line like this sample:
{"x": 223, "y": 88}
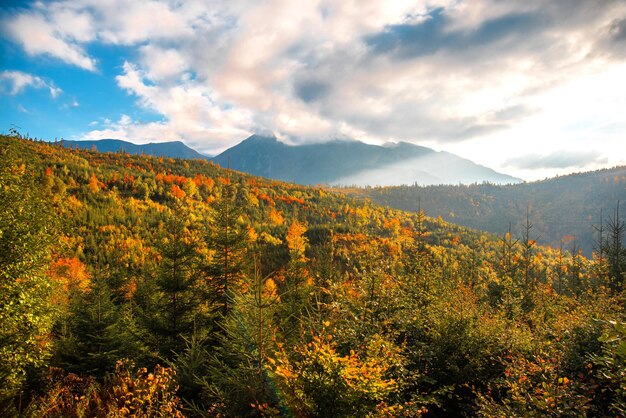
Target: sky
{"x": 530, "y": 88}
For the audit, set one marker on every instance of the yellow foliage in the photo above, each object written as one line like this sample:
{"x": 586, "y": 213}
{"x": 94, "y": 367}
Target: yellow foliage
{"x": 276, "y": 217}
{"x": 297, "y": 242}
{"x": 318, "y": 366}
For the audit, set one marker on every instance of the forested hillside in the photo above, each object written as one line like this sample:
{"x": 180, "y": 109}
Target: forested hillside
{"x": 143, "y": 286}
{"x": 567, "y": 210}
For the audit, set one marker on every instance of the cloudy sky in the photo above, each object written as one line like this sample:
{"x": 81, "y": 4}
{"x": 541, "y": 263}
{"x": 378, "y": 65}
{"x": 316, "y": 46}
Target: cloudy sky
{"x": 532, "y": 88}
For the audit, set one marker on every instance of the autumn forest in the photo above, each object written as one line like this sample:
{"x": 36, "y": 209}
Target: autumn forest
{"x": 142, "y": 286}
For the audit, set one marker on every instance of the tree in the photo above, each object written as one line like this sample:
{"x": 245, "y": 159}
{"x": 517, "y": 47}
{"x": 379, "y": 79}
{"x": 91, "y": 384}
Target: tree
{"x": 172, "y": 301}
{"x": 575, "y": 268}
{"x": 527, "y": 265}
{"x": 26, "y": 236}
{"x": 236, "y": 378}
{"x": 227, "y": 238}
{"x": 99, "y": 333}
{"x": 615, "y": 251}
{"x": 507, "y": 254}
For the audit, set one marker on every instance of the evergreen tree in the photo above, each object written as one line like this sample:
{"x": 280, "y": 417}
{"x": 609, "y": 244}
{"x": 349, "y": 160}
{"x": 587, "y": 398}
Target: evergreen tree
{"x": 529, "y": 281}
{"x": 172, "y": 301}
{"x": 100, "y": 332}
{"x": 236, "y": 379}
{"x": 227, "y": 238}
{"x": 615, "y": 251}
{"x": 575, "y": 268}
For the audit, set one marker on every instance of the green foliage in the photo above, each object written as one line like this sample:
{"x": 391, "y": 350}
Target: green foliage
{"x": 98, "y": 334}
{"x": 236, "y": 379}
{"x": 227, "y": 239}
{"x": 26, "y": 236}
{"x": 610, "y": 368}
{"x": 174, "y": 302}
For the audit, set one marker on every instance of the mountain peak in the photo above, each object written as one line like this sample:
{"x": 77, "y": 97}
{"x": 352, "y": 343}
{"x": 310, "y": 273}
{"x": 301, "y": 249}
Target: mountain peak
{"x": 261, "y": 138}
{"x": 353, "y": 162}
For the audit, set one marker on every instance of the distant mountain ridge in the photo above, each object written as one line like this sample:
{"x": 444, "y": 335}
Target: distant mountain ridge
{"x": 354, "y": 163}
{"x": 338, "y": 162}
{"x": 173, "y": 149}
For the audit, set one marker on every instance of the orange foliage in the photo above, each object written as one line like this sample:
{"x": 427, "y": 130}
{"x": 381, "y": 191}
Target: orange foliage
{"x": 95, "y": 184}
{"x": 129, "y": 179}
{"x": 252, "y": 235}
{"x": 266, "y": 198}
{"x": 177, "y": 192}
{"x": 201, "y": 179}
{"x": 73, "y": 202}
{"x": 291, "y": 200}
{"x": 170, "y": 179}
{"x": 393, "y": 225}
{"x": 70, "y": 274}
{"x": 276, "y": 217}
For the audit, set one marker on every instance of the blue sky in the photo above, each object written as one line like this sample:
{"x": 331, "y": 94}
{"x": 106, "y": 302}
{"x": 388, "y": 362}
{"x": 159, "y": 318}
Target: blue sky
{"x": 531, "y": 88}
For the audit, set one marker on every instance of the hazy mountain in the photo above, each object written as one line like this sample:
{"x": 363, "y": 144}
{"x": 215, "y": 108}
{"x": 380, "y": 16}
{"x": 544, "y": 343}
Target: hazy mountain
{"x": 174, "y": 149}
{"x": 560, "y": 209}
{"x": 354, "y": 163}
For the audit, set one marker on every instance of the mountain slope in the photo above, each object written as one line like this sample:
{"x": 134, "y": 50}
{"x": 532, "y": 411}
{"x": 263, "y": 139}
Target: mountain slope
{"x": 354, "y": 305}
{"x": 354, "y": 163}
{"x": 174, "y": 149}
{"x": 566, "y": 206}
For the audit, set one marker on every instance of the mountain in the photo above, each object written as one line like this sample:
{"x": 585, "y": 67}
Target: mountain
{"x": 560, "y": 209}
{"x": 354, "y": 163}
{"x": 174, "y": 149}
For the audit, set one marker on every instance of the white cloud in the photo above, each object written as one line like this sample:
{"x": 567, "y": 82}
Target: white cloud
{"x": 189, "y": 111}
{"x": 162, "y": 63}
{"x": 38, "y": 36}
{"x": 17, "y": 81}
{"x": 127, "y": 23}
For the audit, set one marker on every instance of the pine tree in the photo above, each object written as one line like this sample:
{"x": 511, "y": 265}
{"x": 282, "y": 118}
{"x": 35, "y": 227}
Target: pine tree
{"x": 615, "y": 251}
{"x": 172, "y": 301}
{"x": 575, "y": 268}
{"x": 527, "y": 265}
{"x": 227, "y": 238}
{"x": 236, "y": 378}
{"x": 99, "y": 333}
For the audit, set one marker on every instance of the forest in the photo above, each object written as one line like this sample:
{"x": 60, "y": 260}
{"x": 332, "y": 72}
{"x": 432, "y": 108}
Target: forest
{"x": 560, "y": 208}
{"x": 140, "y": 286}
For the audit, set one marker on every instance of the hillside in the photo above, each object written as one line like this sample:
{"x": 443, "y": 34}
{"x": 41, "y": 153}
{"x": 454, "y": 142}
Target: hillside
{"x": 174, "y": 149}
{"x": 353, "y": 163}
{"x": 560, "y": 209}
{"x": 168, "y": 287}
